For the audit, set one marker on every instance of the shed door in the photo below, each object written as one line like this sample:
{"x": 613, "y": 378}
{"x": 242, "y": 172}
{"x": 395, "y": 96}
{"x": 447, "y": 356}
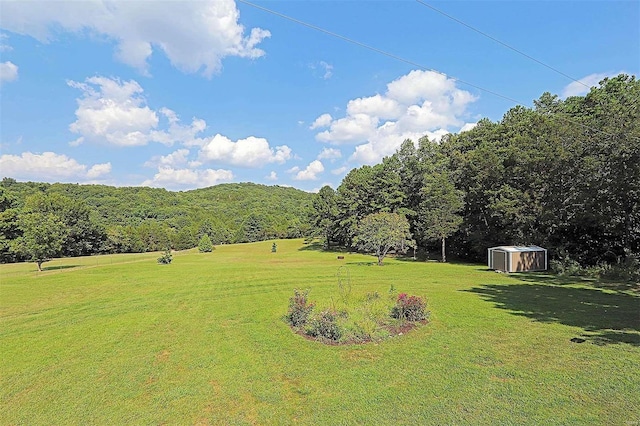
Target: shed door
{"x": 499, "y": 260}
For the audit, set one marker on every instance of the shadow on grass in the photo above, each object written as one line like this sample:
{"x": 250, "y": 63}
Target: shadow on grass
{"x": 318, "y": 246}
{"x": 544, "y": 277}
{"x": 55, "y": 268}
{"x": 372, "y": 263}
{"x": 604, "y": 317}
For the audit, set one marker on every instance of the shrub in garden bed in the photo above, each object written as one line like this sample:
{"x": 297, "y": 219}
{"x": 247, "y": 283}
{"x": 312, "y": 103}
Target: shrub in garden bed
{"x": 299, "y": 308}
{"x": 409, "y": 308}
{"x": 325, "y": 325}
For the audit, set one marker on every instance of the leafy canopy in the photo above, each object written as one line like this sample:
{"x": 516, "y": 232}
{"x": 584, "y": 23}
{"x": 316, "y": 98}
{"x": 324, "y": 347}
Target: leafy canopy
{"x": 380, "y": 232}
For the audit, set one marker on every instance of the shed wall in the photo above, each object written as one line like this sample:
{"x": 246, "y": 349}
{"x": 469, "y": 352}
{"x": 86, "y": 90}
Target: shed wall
{"x": 527, "y": 261}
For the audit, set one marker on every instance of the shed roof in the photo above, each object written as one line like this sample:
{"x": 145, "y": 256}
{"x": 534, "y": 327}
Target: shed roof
{"x": 516, "y": 249}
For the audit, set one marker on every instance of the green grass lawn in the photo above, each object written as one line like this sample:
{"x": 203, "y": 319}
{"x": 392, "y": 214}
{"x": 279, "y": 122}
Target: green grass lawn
{"x": 123, "y": 340}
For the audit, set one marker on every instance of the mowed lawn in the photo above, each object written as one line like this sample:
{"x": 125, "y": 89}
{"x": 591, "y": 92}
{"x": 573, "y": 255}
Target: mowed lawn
{"x": 123, "y": 340}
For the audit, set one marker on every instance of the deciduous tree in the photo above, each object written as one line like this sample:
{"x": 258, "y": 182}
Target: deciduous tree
{"x": 380, "y": 232}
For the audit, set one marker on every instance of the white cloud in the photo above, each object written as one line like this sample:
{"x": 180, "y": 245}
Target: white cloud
{"x": 417, "y": 104}
{"x": 339, "y": 170}
{"x": 328, "y": 70}
{"x": 311, "y": 172}
{"x": 352, "y": 128}
{"x": 249, "y": 152}
{"x": 578, "y": 88}
{"x": 467, "y": 127}
{"x": 272, "y": 176}
{"x": 175, "y": 159}
{"x": 8, "y": 72}
{"x": 112, "y": 112}
{"x": 98, "y": 170}
{"x": 323, "y": 121}
{"x": 376, "y": 106}
{"x": 195, "y": 35}
{"x": 179, "y": 132}
{"x": 168, "y": 177}
{"x": 329, "y": 154}
{"x": 49, "y": 166}
{"x": 4, "y": 47}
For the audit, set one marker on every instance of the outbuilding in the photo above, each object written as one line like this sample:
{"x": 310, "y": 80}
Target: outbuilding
{"x": 518, "y": 258}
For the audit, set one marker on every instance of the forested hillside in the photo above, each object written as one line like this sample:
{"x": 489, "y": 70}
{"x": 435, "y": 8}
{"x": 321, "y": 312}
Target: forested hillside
{"x": 104, "y": 219}
{"x": 564, "y": 174}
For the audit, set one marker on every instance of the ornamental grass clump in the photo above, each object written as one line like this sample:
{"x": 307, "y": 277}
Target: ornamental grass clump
{"x": 409, "y": 308}
{"x": 299, "y": 308}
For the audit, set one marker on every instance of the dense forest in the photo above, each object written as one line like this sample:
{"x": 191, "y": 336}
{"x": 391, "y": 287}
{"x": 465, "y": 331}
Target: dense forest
{"x": 104, "y": 219}
{"x": 564, "y": 174}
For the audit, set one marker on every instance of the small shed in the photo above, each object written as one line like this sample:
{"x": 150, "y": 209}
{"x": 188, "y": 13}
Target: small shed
{"x": 518, "y": 258}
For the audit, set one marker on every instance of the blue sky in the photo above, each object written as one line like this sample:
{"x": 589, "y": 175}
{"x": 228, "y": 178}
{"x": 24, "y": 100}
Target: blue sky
{"x": 183, "y": 95}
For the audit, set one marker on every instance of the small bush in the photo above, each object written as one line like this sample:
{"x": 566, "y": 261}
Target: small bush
{"x": 205, "y": 245}
{"x": 299, "y": 308}
{"x": 410, "y": 308}
{"x": 166, "y": 257}
{"x": 627, "y": 270}
{"x": 325, "y": 325}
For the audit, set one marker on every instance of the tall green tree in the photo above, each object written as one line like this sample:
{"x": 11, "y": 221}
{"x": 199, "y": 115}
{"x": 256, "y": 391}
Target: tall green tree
{"x": 380, "y": 232}
{"x": 43, "y": 236}
{"x": 439, "y": 212}
{"x": 85, "y": 235}
{"x": 324, "y": 214}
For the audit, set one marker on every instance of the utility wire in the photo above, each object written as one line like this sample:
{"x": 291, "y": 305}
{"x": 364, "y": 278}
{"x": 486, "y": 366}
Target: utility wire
{"x": 407, "y": 61}
{"x": 453, "y": 18}
{"x": 375, "y": 49}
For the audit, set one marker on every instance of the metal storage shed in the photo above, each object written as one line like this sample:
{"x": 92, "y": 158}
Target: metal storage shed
{"x": 518, "y": 258}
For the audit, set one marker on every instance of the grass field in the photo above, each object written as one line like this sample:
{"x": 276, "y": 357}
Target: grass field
{"x": 123, "y": 340}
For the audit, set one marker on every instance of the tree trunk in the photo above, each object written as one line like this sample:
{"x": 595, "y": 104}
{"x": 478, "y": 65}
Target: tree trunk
{"x": 39, "y": 263}
{"x": 444, "y": 256}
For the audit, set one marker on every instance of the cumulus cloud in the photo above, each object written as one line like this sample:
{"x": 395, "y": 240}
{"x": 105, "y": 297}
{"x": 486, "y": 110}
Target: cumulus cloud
{"x": 112, "y": 111}
{"x": 169, "y": 177}
{"x": 417, "y": 104}
{"x": 467, "y": 127}
{"x": 249, "y": 152}
{"x": 311, "y": 172}
{"x": 178, "y": 132}
{"x": 49, "y": 166}
{"x": 8, "y": 72}
{"x": 272, "y": 176}
{"x": 339, "y": 170}
{"x": 583, "y": 85}
{"x": 329, "y": 154}
{"x": 323, "y": 121}
{"x": 175, "y": 159}
{"x": 195, "y": 36}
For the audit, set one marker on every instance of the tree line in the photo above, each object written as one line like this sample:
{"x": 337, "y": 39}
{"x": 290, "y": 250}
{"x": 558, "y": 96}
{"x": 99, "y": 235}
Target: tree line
{"x": 564, "y": 174}
{"x": 79, "y": 220}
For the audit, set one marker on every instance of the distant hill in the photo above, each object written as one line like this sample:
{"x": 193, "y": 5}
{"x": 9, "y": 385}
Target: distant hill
{"x": 229, "y": 213}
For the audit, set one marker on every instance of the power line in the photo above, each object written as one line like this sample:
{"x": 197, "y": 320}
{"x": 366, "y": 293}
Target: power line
{"x": 375, "y": 49}
{"x": 407, "y": 61}
{"x": 453, "y": 18}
